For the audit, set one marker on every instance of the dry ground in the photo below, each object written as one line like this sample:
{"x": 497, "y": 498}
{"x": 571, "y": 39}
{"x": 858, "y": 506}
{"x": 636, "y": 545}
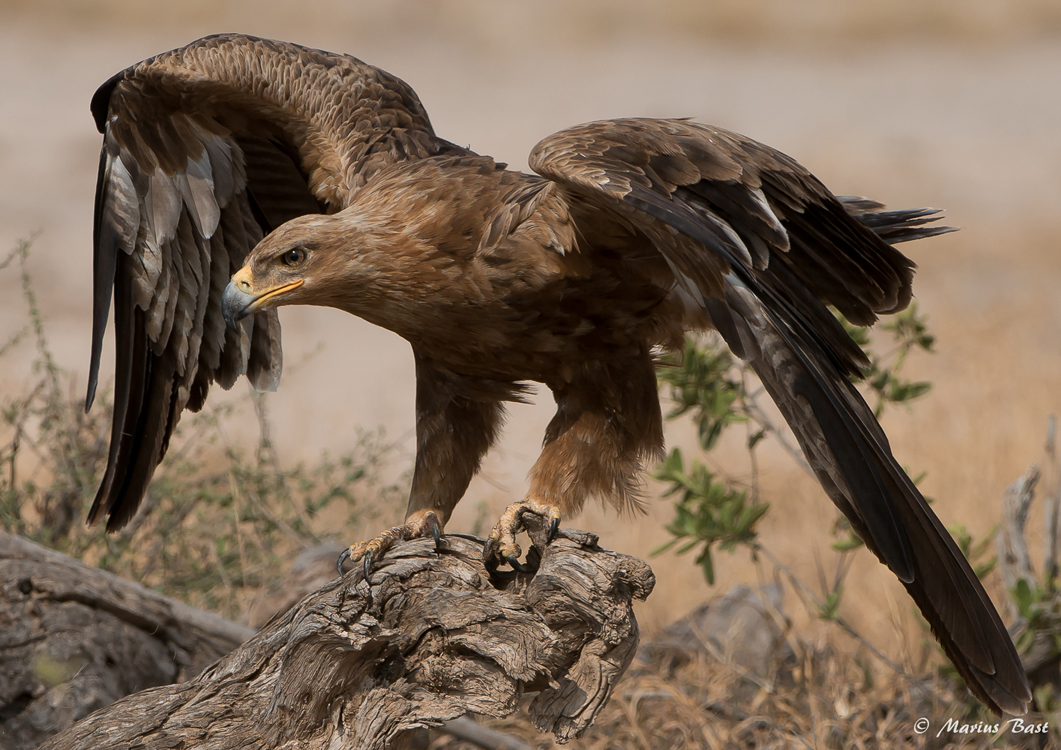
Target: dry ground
{"x": 946, "y": 104}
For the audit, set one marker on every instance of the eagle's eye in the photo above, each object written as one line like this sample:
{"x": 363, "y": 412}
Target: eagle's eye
{"x": 293, "y": 257}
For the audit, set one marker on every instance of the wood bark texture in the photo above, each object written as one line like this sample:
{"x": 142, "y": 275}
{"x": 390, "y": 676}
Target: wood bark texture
{"x": 75, "y": 638}
{"x": 425, "y": 639}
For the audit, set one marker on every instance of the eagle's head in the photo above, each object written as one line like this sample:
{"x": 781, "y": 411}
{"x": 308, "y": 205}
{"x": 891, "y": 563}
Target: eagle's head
{"x": 299, "y": 263}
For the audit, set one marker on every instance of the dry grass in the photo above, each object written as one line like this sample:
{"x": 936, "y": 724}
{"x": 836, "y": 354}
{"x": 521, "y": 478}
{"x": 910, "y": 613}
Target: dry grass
{"x": 820, "y": 698}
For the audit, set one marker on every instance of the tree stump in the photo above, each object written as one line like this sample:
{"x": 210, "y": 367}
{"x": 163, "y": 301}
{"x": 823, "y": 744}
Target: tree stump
{"x": 426, "y": 638}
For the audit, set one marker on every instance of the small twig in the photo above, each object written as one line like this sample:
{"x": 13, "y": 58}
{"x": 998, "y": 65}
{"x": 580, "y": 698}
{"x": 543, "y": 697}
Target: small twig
{"x": 843, "y": 565}
{"x": 14, "y": 455}
{"x": 804, "y": 590}
{"x": 471, "y": 731}
{"x": 14, "y": 341}
{"x": 147, "y": 504}
{"x": 755, "y": 412}
{"x": 752, "y": 449}
{"x": 254, "y": 500}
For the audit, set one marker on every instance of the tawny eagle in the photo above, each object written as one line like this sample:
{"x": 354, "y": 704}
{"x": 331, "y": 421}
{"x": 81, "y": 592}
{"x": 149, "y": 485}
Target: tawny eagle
{"x": 239, "y": 174}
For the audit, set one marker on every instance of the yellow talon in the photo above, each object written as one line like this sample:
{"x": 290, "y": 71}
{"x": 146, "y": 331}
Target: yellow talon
{"x": 501, "y": 545}
{"x": 426, "y": 524}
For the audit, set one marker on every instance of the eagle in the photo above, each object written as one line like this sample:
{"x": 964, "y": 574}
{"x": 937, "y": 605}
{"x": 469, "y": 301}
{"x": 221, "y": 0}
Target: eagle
{"x": 239, "y": 174}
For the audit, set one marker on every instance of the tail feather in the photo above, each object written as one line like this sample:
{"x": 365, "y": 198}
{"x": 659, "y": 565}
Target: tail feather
{"x": 893, "y": 227}
{"x": 851, "y": 457}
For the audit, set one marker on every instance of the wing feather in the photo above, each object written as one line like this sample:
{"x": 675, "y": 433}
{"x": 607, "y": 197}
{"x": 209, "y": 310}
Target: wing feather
{"x": 205, "y": 149}
{"x": 764, "y": 247}
{"x": 760, "y": 191}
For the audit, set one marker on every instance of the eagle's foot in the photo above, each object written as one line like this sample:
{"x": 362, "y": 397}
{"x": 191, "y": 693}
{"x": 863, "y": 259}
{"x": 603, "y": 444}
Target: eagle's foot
{"x": 417, "y": 526}
{"x": 501, "y": 546}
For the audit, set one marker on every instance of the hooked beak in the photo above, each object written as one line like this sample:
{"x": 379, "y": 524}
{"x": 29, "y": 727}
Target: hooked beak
{"x": 240, "y": 298}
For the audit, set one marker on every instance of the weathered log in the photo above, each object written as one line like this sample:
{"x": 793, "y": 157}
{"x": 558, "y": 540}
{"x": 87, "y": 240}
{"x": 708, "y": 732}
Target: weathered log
{"x": 74, "y": 639}
{"x": 425, "y": 639}
{"x": 314, "y": 567}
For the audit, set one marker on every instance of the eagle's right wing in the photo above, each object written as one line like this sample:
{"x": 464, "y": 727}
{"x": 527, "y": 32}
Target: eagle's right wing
{"x": 205, "y": 149}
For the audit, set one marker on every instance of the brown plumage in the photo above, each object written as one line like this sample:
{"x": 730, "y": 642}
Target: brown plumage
{"x": 635, "y": 232}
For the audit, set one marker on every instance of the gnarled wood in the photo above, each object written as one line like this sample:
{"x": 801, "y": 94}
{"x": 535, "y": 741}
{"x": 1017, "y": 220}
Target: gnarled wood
{"x": 74, "y": 639}
{"x": 427, "y": 638}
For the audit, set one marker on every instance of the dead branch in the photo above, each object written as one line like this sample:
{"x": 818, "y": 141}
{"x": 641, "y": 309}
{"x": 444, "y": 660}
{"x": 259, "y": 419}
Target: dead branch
{"x": 427, "y": 638}
{"x": 1041, "y": 654}
{"x": 74, "y": 639}
{"x": 469, "y": 731}
{"x": 1014, "y": 562}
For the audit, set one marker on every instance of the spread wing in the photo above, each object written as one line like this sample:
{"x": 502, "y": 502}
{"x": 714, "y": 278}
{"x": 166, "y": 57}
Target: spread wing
{"x": 761, "y": 246}
{"x": 206, "y": 149}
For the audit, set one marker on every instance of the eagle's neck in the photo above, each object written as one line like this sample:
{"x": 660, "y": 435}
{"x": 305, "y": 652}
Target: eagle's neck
{"x": 396, "y": 270}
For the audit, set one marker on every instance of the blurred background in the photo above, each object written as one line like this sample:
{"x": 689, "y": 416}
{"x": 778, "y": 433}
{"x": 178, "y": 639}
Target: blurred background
{"x": 948, "y": 103}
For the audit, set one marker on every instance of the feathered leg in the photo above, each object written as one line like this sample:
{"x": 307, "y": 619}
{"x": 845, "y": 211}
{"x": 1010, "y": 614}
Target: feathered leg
{"x": 607, "y": 422}
{"x": 457, "y": 420}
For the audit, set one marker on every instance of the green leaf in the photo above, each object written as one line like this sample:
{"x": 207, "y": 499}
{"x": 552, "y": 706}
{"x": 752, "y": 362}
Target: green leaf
{"x": 707, "y": 565}
{"x": 830, "y": 608}
{"x": 1022, "y": 597}
{"x": 848, "y": 543}
{"x": 663, "y": 548}
{"x": 688, "y": 546}
{"x": 750, "y": 515}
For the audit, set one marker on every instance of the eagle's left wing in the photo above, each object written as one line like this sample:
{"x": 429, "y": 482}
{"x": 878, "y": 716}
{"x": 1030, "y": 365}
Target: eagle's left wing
{"x": 763, "y": 247}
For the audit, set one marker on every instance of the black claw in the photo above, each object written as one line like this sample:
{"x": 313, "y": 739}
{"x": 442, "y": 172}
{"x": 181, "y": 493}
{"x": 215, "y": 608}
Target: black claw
{"x": 553, "y": 528}
{"x": 368, "y": 564}
{"x": 343, "y": 557}
{"x": 437, "y": 534}
{"x": 490, "y": 554}
{"x": 517, "y": 565}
